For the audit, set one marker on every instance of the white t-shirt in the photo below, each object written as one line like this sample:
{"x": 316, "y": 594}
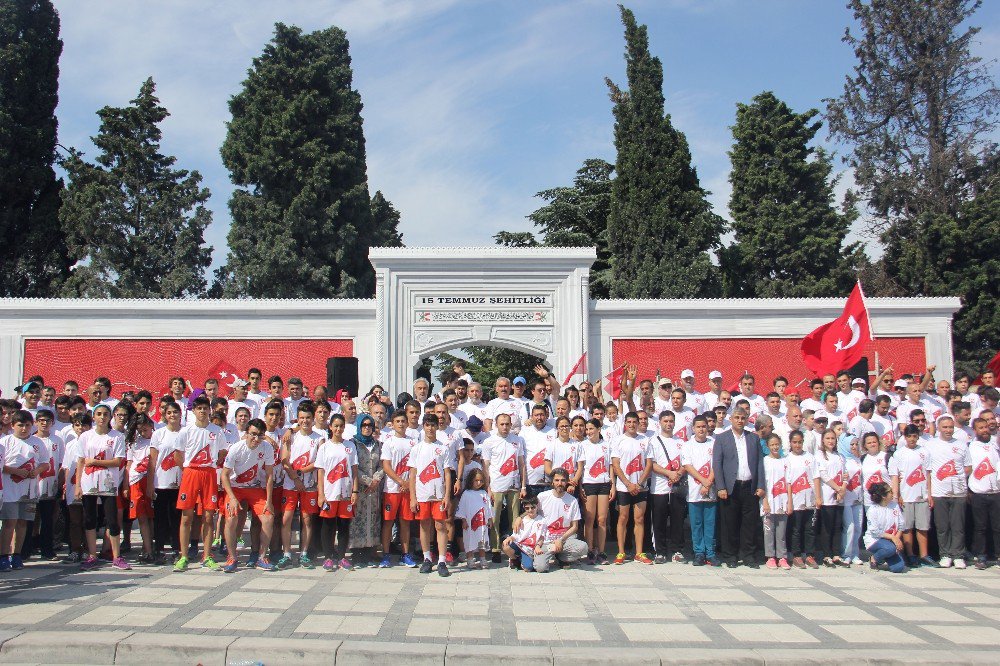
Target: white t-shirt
{"x": 830, "y": 468}
{"x": 885, "y": 426}
{"x": 873, "y": 470}
{"x": 511, "y": 406}
{"x": 248, "y": 465}
{"x": 666, "y": 453}
{"x": 302, "y": 453}
{"x": 558, "y": 512}
{"x": 984, "y": 459}
{"x": 203, "y": 446}
{"x": 71, "y": 457}
{"x": 910, "y": 465}
{"x": 137, "y": 456}
{"x": 429, "y": 460}
{"x": 470, "y": 410}
{"x": 397, "y": 451}
{"x": 596, "y": 462}
{"x": 536, "y": 444}
{"x": 811, "y": 403}
{"x": 945, "y": 465}
{"x": 252, "y": 405}
{"x": 758, "y": 405}
{"x": 776, "y": 484}
{"x": 26, "y": 454}
{"x": 476, "y": 507}
{"x": 292, "y": 410}
{"x": 502, "y": 454}
{"x": 886, "y": 519}
{"x": 101, "y": 480}
{"x": 276, "y": 436}
{"x": 802, "y": 469}
{"x": 564, "y": 455}
{"x": 531, "y": 533}
{"x": 632, "y": 454}
{"x": 683, "y": 421}
{"x": 48, "y": 487}
{"x": 699, "y": 456}
{"x": 336, "y": 460}
{"x": 852, "y": 474}
{"x": 165, "y": 442}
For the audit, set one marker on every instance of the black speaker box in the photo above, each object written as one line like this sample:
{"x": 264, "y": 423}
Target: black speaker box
{"x": 342, "y": 373}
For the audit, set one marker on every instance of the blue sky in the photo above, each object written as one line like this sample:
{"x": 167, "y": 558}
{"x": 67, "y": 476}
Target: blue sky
{"x": 470, "y": 106}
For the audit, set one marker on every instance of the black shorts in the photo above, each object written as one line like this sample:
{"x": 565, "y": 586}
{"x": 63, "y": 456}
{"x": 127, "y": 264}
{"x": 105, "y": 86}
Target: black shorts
{"x": 628, "y": 499}
{"x": 597, "y": 489}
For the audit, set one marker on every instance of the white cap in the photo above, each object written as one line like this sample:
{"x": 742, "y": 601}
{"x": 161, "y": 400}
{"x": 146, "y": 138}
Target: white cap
{"x": 715, "y": 374}
{"x": 237, "y": 383}
{"x": 666, "y": 381}
{"x": 687, "y": 373}
{"x": 900, "y": 383}
{"x": 858, "y": 380}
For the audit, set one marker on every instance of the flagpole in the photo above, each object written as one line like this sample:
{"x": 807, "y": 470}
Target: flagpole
{"x": 871, "y": 330}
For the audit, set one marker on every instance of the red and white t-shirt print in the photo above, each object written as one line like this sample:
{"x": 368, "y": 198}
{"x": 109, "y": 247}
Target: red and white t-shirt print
{"x": 873, "y": 470}
{"x": 683, "y": 422}
{"x": 26, "y": 454}
{"x": 167, "y": 473}
{"x": 886, "y": 519}
{"x": 532, "y": 533}
{"x": 248, "y": 464}
{"x": 666, "y": 453}
{"x": 336, "y": 462}
{"x": 852, "y": 481}
{"x": 536, "y": 445}
{"x": 699, "y": 456}
{"x": 558, "y": 512}
{"x": 984, "y": 459}
{"x": 910, "y": 465}
{"x": 202, "y": 446}
{"x": 502, "y": 453}
{"x": 563, "y": 454}
{"x": 48, "y": 487}
{"x": 776, "y": 484}
{"x": 302, "y": 453}
{"x": 632, "y": 454}
{"x": 830, "y": 469}
{"x": 801, "y": 472}
{"x": 945, "y": 466}
{"x": 397, "y": 451}
{"x": 98, "y": 480}
{"x": 596, "y": 462}
{"x": 138, "y": 460}
{"x": 429, "y": 460}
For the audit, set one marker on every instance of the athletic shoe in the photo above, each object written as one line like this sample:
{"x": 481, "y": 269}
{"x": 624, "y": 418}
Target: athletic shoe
{"x": 945, "y": 562}
{"x": 449, "y": 558}
{"x": 732, "y": 564}
{"x": 217, "y": 543}
{"x": 660, "y": 559}
{"x": 496, "y": 557}
{"x": 120, "y": 563}
{"x": 284, "y": 562}
{"x": 427, "y": 567}
{"x": 16, "y": 563}
{"x": 783, "y": 564}
{"x": 483, "y": 564}
{"x": 346, "y": 565}
{"x": 828, "y": 562}
{"x": 146, "y": 559}
{"x": 230, "y": 566}
{"x": 678, "y": 558}
{"x": 642, "y": 558}
{"x": 73, "y": 558}
{"x": 699, "y": 560}
{"x": 461, "y": 558}
{"x": 771, "y": 563}
{"x": 981, "y": 564}
{"x": 408, "y": 560}
{"x": 210, "y": 564}
{"x": 811, "y": 562}
{"x": 5, "y": 563}
{"x": 385, "y": 563}
{"x": 714, "y": 561}
{"x": 264, "y": 564}
{"x": 797, "y": 562}
{"x": 857, "y": 561}
{"x": 252, "y": 561}
{"x": 329, "y": 565}
{"x": 602, "y": 558}
{"x": 590, "y": 558}
{"x": 305, "y": 562}
{"x": 750, "y": 564}
{"x": 620, "y": 558}
{"x": 959, "y": 563}
{"x": 181, "y": 564}
{"x": 240, "y": 542}
{"x": 443, "y": 570}
{"x": 928, "y": 561}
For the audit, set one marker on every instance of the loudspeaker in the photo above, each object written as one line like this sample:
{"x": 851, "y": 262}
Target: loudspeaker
{"x": 860, "y": 369}
{"x": 342, "y": 373}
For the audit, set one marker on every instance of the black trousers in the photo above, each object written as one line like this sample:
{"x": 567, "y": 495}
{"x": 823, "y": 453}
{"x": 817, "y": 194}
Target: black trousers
{"x": 831, "y": 521}
{"x": 336, "y": 533}
{"x": 985, "y": 519}
{"x": 740, "y": 518}
{"x": 803, "y": 530}
{"x": 45, "y": 514}
{"x": 668, "y": 516}
{"x": 166, "y": 520}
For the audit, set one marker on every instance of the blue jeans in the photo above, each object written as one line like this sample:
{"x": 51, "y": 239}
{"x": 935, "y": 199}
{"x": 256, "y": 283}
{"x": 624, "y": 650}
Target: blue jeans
{"x": 852, "y": 530}
{"x": 702, "y": 516}
{"x": 884, "y": 550}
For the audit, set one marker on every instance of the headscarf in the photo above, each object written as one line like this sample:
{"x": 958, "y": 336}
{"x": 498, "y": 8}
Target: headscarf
{"x": 844, "y": 446}
{"x": 368, "y": 441}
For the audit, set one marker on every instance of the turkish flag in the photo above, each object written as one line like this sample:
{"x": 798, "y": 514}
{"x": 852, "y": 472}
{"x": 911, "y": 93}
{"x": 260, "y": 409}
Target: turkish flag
{"x": 338, "y": 472}
{"x": 301, "y": 461}
{"x": 142, "y": 466}
{"x": 705, "y": 470}
{"x": 634, "y": 466}
{"x": 946, "y": 470}
{"x": 780, "y": 488}
{"x": 682, "y": 434}
{"x": 402, "y": 465}
{"x": 580, "y": 367}
{"x": 993, "y": 365}
{"x": 167, "y": 463}
{"x": 202, "y": 459}
{"x": 568, "y": 465}
{"x": 613, "y": 383}
{"x": 674, "y": 465}
{"x": 801, "y": 483}
{"x": 538, "y": 459}
{"x": 479, "y": 520}
{"x": 247, "y": 476}
{"x": 983, "y": 468}
{"x": 529, "y": 541}
{"x": 224, "y": 371}
{"x": 89, "y": 469}
{"x": 854, "y": 482}
{"x": 509, "y": 465}
{"x": 430, "y": 473}
{"x": 873, "y": 479}
{"x": 840, "y": 343}
{"x": 599, "y": 467}
{"x": 916, "y": 476}
{"x": 556, "y": 528}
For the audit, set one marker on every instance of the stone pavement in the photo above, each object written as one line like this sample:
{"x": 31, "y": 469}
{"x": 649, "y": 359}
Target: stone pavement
{"x": 668, "y": 612}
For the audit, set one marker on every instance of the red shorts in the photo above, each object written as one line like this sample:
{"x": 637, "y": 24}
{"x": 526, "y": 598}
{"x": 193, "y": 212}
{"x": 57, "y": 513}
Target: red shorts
{"x": 139, "y": 504}
{"x": 432, "y": 509}
{"x": 199, "y": 488}
{"x": 396, "y": 504}
{"x": 307, "y": 500}
{"x": 341, "y": 509}
{"x": 255, "y": 498}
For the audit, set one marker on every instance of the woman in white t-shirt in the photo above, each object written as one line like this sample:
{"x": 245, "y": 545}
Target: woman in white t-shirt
{"x": 874, "y": 468}
{"x": 885, "y": 523}
{"x": 598, "y": 491}
{"x": 830, "y": 466}
{"x": 853, "y": 505}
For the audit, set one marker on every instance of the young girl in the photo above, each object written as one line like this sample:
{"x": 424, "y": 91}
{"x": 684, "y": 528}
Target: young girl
{"x": 802, "y": 473}
{"x": 852, "y": 500}
{"x": 163, "y": 484}
{"x": 528, "y": 538}
{"x": 885, "y": 522}
{"x": 595, "y": 454}
{"x": 77, "y": 543}
{"x": 776, "y": 505}
{"x": 137, "y": 440}
{"x": 337, "y": 484}
{"x": 832, "y": 490}
{"x": 475, "y": 510}
{"x": 873, "y": 464}
{"x": 98, "y": 476}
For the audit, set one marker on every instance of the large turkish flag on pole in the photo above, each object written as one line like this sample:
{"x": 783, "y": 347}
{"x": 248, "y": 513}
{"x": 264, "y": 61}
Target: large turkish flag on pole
{"x": 841, "y": 343}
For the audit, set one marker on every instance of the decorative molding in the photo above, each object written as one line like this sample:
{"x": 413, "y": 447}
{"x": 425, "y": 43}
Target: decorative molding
{"x": 425, "y": 339}
{"x": 539, "y": 339}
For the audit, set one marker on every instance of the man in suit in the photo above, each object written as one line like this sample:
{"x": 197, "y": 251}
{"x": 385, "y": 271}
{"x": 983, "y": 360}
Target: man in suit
{"x": 739, "y": 481}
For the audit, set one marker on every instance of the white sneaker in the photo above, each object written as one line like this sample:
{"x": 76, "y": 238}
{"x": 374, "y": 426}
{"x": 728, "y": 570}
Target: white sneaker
{"x": 857, "y": 561}
{"x": 946, "y": 562}
{"x": 960, "y": 563}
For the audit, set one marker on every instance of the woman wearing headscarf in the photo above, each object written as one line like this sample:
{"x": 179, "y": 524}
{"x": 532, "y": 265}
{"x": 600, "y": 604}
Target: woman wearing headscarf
{"x": 366, "y": 528}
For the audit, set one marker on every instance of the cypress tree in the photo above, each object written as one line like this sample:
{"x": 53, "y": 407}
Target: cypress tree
{"x": 661, "y": 225}
{"x": 385, "y": 223}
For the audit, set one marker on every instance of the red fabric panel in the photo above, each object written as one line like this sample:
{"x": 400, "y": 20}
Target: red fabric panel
{"x": 765, "y": 358}
{"x": 149, "y": 364}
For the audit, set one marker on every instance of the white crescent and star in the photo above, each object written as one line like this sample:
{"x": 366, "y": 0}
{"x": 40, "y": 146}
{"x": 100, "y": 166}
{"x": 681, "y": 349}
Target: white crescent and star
{"x": 852, "y": 323}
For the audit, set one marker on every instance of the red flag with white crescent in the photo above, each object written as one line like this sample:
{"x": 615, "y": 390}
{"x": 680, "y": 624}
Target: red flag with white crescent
{"x": 840, "y": 343}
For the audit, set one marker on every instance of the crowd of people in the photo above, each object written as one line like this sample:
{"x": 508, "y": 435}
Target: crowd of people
{"x": 896, "y": 475}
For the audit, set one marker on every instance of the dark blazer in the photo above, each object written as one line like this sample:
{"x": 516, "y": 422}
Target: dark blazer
{"x": 726, "y": 463}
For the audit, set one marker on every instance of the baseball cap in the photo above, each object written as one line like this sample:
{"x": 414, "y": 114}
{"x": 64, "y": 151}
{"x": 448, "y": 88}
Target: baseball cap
{"x": 519, "y": 380}
{"x": 474, "y": 423}
{"x": 900, "y": 383}
{"x": 28, "y": 386}
{"x": 666, "y": 381}
{"x": 687, "y": 373}
{"x": 237, "y": 383}
{"x": 858, "y": 380}
{"x": 715, "y": 374}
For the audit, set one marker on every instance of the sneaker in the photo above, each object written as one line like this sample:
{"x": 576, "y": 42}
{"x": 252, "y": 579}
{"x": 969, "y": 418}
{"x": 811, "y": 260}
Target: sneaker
{"x": 426, "y": 567}
{"x": 443, "y": 570}
{"x": 678, "y": 557}
{"x": 699, "y": 560}
{"x": 642, "y": 558}
{"x": 181, "y": 564}
{"x": 945, "y": 562}
{"x": 252, "y": 562}
{"x": 483, "y": 564}
{"x": 230, "y": 566}
{"x": 591, "y": 558}
{"x": 620, "y": 558}
{"x": 305, "y": 562}
{"x": 783, "y": 564}
{"x": 857, "y": 561}
{"x": 811, "y": 562}
{"x": 264, "y": 564}
{"x": 496, "y": 557}
{"x": 240, "y": 542}
{"x": 346, "y": 565}
{"x": 408, "y": 560}
{"x": 461, "y": 558}
{"x": 5, "y": 563}
{"x": 512, "y": 563}
{"x": 981, "y": 564}
{"x": 449, "y": 559}
{"x": 959, "y": 563}
{"x": 385, "y": 563}
{"x": 217, "y": 543}
{"x": 928, "y": 561}
{"x": 73, "y": 558}
{"x": 16, "y": 563}
{"x": 771, "y": 563}
{"x": 210, "y": 564}
{"x": 284, "y": 562}
{"x": 329, "y": 565}
{"x": 223, "y": 550}
{"x": 660, "y": 559}
{"x": 146, "y": 559}
{"x": 602, "y": 558}
{"x": 714, "y": 561}
{"x": 797, "y": 562}
{"x": 120, "y": 563}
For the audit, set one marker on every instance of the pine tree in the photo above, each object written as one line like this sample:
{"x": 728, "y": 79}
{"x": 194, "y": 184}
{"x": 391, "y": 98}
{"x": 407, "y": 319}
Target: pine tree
{"x": 385, "y": 223}
{"x": 302, "y": 219}
{"x": 789, "y": 234}
{"x": 33, "y": 257}
{"x": 134, "y": 224}
{"x": 661, "y": 226}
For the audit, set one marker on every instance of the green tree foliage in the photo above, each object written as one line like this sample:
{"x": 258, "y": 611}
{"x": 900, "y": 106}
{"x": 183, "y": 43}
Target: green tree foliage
{"x": 33, "y": 256}
{"x": 134, "y": 224}
{"x": 917, "y": 112}
{"x": 789, "y": 233}
{"x": 487, "y": 364}
{"x": 515, "y": 239}
{"x": 385, "y": 223}
{"x": 302, "y": 218}
{"x": 661, "y": 225}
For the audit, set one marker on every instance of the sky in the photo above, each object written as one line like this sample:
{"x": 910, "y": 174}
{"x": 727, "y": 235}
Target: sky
{"x": 470, "y": 106}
